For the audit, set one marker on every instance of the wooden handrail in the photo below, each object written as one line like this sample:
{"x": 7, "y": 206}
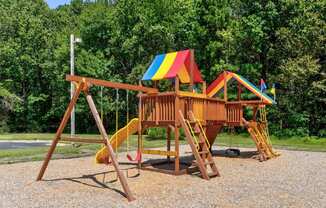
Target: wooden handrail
{"x": 104, "y": 83}
{"x": 191, "y": 94}
{"x": 247, "y": 102}
{"x": 161, "y": 94}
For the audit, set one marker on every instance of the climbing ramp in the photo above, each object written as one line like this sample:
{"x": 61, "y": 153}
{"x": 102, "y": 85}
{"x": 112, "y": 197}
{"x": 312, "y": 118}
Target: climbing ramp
{"x": 102, "y": 156}
{"x": 196, "y": 138}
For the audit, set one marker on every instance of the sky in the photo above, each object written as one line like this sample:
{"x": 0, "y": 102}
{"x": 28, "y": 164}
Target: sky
{"x": 55, "y": 3}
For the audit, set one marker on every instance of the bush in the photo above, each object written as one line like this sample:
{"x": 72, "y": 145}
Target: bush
{"x": 160, "y": 133}
{"x": 156, "y": 133}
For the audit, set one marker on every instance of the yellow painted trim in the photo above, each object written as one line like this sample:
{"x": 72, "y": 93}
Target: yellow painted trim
{"x": 219, "y": 86}
{"x": 184, "y": 75}
{"x": 158, "y": 152}
{"x": 191, "y": 94}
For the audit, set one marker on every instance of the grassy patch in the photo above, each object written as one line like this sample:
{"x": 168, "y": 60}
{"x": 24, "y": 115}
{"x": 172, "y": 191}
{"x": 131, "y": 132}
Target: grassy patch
{"x": 293, "y": 143}
{"x": 38, "y": 136}
{"x": 38, "y": 153}
{"x": 67, "y": 151}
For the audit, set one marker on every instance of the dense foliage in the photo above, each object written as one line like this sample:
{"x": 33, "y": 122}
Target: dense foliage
{"x": 281, "y": 41}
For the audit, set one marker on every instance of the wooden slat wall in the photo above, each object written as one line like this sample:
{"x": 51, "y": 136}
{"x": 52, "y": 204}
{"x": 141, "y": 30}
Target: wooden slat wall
{"x": 215, "y": 110}
{"x": 158, "y": 108}
{"x": 234, "y": 113}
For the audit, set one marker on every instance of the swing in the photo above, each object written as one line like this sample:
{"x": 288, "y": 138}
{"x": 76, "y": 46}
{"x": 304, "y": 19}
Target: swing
{"x": 232, "y": 151}
{"x": 138, "y": 154}
{"x": 136, "y": 159}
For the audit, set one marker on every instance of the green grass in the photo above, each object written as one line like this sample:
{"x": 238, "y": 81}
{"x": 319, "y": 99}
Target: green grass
{"x": 37, "y": 136}
{"x": 67, "y": 151}
{"x": 293, "y": 143}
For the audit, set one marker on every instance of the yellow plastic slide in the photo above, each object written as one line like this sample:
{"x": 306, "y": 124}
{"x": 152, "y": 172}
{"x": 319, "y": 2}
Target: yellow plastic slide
{"x": 117, "y": 139}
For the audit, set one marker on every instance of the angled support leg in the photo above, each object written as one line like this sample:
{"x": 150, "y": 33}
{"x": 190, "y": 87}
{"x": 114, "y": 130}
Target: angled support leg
{"x": 115, "y": 163}
{"x": 60, "y": 130}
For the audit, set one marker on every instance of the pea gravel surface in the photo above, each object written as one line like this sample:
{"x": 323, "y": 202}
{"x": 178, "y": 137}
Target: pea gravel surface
{"x": 295, "y": 179}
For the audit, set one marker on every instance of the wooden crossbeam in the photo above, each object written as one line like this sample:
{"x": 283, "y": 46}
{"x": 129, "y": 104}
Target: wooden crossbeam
{"x": 247, "y": 102}
{"x": 116, "y": 85}
{"x": 81, "y": 140}
{"x": 159, "y": 152}
{"x": 192, "y": 94}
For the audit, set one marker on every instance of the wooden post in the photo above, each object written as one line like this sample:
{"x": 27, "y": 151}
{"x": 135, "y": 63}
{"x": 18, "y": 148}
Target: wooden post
{"x": 140, "y": 117}
{"x": 205, "y": 103}
{"x": 168, "y": 141}
{"x": 204, "y": 88}
{"x": 157, "y": 110}
{"x": 105, "y": 137}
{"x": 225, "y": 87}
{"x": 176, "y": 129}
{"x": 239, "y": 91}
{"x": 192, "y": 68}
{"x": 254, "y": 114}
{"x": 60, "y": 130}
{"x": 177, "y": 151}
{"x": 176, "y": 84}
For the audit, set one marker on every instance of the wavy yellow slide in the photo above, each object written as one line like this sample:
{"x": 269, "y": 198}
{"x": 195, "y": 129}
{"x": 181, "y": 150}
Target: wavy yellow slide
{"x": 117, "y": 139}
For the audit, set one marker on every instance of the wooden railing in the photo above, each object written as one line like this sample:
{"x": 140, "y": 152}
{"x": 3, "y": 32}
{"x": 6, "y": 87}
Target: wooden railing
{"x": 204, "y": 108}
{"x": 161, "y": 108}
{"x": 215, "y": 110}
{"x": 158, "y": 107}
{"x": 234, "y": 113}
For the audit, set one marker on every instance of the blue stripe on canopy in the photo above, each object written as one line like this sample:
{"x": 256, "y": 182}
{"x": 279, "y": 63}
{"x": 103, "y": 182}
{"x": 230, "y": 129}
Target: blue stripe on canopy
{"x": 154, "y": 67}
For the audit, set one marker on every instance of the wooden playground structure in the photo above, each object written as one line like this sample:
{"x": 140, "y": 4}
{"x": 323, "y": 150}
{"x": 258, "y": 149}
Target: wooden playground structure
{"x": 189, "y": 105}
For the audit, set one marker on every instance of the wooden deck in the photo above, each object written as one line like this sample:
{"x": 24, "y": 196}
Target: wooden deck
{"x": 160, "y": 109}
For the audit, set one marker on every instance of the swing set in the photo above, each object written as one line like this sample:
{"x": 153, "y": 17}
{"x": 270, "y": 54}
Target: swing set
{"x": 82, "y": 86}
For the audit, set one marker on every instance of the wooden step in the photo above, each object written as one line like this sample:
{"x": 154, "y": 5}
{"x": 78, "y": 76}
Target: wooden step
{"x": 205, "y": 163}
{"x": 213, "y": 174}
{"x": 197, "y": 132}
{"x": 203, "y": 152}
{"x": 209, "y": 162}
{"x": 192, "y": 122}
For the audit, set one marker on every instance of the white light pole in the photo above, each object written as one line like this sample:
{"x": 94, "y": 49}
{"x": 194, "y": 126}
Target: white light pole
{"x": 73, "y": 40}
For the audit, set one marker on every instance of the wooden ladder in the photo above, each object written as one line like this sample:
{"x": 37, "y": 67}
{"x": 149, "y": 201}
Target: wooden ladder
{"x": 198, "y": 142}
{"x": 263, "y": 129}
{"x": 261, "y": 139}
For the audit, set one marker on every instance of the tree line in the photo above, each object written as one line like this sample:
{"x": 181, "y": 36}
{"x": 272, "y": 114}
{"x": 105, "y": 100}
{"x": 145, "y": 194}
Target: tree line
{"x": 280, "y": 41}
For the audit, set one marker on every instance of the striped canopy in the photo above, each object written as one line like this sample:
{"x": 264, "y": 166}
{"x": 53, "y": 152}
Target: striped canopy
{"x": 170, "y": 65}
{"x": 218, "y": 84}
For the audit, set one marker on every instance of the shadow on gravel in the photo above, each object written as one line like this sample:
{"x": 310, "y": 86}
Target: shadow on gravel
{"x": 95, "y": 183}
{"x": 162, "y": 165}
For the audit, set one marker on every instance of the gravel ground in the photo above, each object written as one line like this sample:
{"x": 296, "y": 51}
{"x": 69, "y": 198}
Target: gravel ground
{"x": 295, "y": 179}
